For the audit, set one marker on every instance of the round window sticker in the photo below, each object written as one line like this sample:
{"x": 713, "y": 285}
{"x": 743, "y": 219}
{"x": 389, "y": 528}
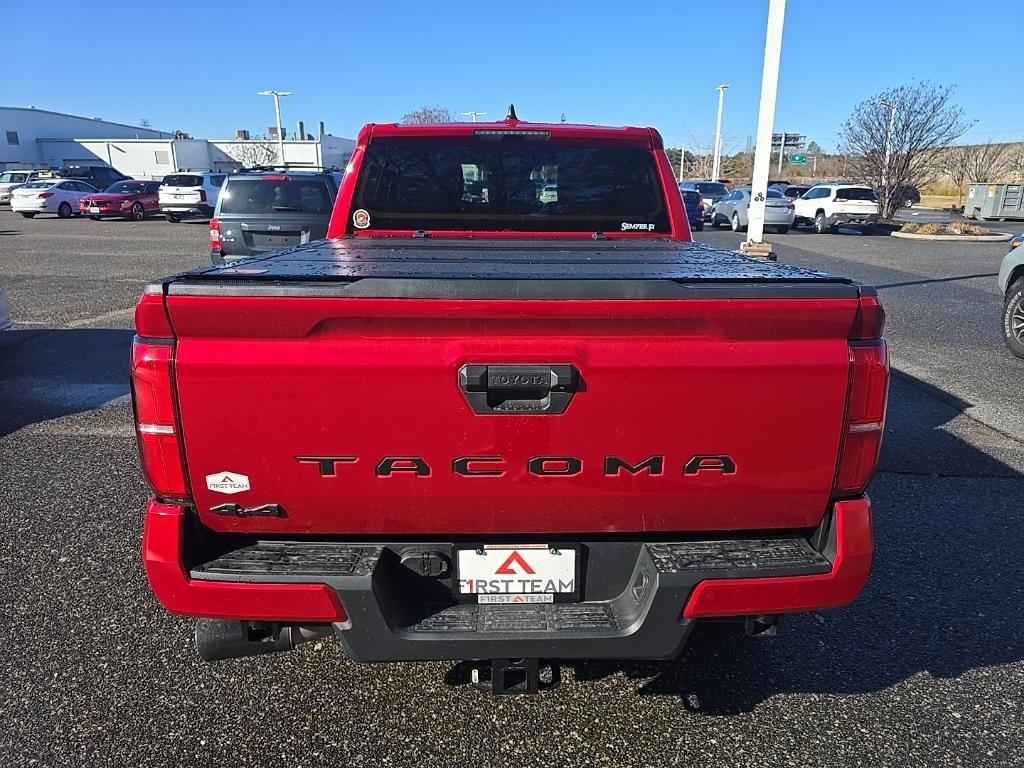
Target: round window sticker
{"x": 361, "y": 218}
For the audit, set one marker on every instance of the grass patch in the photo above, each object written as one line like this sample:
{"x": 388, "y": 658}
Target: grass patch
{"x": 953, "y": 228}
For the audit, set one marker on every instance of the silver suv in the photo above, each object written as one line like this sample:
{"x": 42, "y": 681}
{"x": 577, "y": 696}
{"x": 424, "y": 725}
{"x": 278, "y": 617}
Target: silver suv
{"x": 1011, "y": 283}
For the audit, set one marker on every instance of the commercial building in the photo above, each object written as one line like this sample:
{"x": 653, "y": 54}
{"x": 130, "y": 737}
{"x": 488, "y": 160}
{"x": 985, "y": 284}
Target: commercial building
{"x": 37, "y": 138}
{"x": 24, "y": 129}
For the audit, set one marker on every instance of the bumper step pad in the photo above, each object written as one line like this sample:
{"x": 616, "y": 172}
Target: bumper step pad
{"x": 398, "y": 615}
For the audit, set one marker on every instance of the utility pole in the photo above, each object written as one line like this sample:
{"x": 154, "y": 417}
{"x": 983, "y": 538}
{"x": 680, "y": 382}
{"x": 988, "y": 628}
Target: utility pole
{"x": 277, "y": 114}
{"x": 682, "y": 162}
{"x": 716, "y": 166}
{"x": 754, "y": 246}
{"x": 473, "y": 115}
{"x": 888, "y": 148}
{"x": 782, "y": 151}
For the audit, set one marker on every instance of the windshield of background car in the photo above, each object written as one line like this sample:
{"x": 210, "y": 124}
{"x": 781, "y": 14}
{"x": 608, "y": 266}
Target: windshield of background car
{"x": 514, "y": 184}
{"x": 855, "y": 193}
{"x": 275, "y": 195}
{"x": 126, "y": 188}
{"x": 713, "y": 189}
{"x": 13, "y": 178}
{"x": 182, "y": 180}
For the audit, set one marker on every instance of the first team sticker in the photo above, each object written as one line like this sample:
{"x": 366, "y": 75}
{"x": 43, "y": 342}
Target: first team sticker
{"x": 361, "y": 218}
{"x": 227, "y": 482}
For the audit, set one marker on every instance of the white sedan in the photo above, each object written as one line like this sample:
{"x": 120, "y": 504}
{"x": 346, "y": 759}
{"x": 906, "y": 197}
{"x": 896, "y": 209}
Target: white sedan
{"x": 59, "y": 196}
{"x": 732, "y": 210}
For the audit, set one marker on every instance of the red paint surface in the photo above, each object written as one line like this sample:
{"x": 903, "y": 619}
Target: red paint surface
{"x": 161, "y": 553}
{"x": 261, "y": 381}
{"x": 850, "y": 569}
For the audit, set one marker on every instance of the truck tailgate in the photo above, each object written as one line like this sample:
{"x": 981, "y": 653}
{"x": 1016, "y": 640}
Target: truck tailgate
{"x": 346, "y": 409}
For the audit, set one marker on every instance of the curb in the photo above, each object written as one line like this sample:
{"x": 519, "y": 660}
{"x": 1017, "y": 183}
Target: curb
{"x": 998, "y": 237}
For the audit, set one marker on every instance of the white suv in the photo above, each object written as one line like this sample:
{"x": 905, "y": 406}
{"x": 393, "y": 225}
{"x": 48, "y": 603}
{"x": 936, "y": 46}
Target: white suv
{"x": 828, "y": 206}
{"x": 190, "y": 193}
{"x": 11, "y": 180}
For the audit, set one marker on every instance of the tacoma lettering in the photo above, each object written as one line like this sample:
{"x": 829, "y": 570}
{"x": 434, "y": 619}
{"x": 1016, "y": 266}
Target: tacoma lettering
{"x": 542, "y": 466}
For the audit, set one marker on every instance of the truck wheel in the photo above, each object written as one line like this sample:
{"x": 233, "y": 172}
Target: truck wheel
{"x": 782, "y": 229}
{"x": 174, "y": 218}
{"x": 1013, "y": 318}
{"x": 138, "y": 212}
{"x": 821, "y": 225}
{"x": 698, "y": 227}
{"x": 736, "y": 226}
{"x": 64, "y": 211}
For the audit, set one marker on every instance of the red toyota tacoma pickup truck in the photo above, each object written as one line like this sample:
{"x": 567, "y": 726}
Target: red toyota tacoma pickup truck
{"x": 506, "y": 413}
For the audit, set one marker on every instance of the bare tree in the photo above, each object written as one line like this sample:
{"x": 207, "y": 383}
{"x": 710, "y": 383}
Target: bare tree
{"x": 433, "y": 114}
{"x": 253, "y": 153}
{"x": 925, "y": 120}
{"x": 976, "y": 162}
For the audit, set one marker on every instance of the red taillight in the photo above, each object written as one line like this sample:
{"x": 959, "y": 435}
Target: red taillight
{"x": 700, "y": 200}
{"x": 214, "y": 235}
{"x": 865, "y": 417}
{"x": 153, "y": 396}
{"x": 274, "y": 177}
{"x": 790, "y": 206}
{"x": 44, "y": 195}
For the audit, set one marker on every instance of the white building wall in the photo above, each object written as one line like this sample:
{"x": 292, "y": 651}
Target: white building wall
{"x": 21, "y": 129}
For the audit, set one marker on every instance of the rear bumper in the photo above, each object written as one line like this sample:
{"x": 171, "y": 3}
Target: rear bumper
{"x": 188, "y": 209}
{"x": 839, "y": 219}
{"x": 640, "y": 599}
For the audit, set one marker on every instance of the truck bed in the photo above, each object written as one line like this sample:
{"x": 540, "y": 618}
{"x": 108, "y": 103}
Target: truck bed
{"x": 391, "y": 267}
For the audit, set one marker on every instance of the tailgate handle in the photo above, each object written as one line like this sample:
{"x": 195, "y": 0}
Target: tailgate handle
{"x": 508, "y": 389}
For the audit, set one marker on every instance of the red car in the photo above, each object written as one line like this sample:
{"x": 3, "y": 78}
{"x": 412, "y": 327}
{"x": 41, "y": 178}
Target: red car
{"x": 126, "y": 200}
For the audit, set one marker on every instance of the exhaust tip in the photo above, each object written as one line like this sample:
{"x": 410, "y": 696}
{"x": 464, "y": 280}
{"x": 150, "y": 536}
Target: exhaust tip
{"x": 218, "y": 639}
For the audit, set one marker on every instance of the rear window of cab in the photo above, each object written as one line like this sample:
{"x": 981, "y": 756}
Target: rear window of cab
{"x": 182, "y": 180}
{"x": 472, "y": 183}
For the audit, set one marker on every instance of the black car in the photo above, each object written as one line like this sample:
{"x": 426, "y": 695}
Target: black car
{"x": 99, "y": 176}
{"x": 267, "y": 210}
{"x": 710, "y": 191}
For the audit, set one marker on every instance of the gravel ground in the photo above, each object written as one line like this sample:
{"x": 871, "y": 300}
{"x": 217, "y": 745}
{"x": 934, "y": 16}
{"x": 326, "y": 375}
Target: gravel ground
{"x": 927, "y": 668}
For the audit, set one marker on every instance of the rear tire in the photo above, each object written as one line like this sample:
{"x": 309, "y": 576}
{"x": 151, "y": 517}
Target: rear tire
{"x": 138, "y": 213}
{"x": 821, "y": 225}
{"x": 782, "y": 229}
{"x": 64, "y": 211}
{"x": 698, "y": 227}
{"x": 27, "y": 215}
{"x": 1013, "y": 318}
{"x": 174, "y": 218}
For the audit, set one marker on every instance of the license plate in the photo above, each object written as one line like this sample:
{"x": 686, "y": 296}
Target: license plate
{"x": 93, "y": 209}
{"x": 526, "y": 573}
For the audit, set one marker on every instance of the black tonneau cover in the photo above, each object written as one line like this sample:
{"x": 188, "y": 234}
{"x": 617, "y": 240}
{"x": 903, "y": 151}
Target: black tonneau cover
{"x": 443, "y": 268}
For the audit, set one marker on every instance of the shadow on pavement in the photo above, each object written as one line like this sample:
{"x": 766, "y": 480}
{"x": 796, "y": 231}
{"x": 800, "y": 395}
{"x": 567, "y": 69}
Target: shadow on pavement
{"x": 46, "y": 374}
{"x": 937, "y": 280}
{"x": 945, "y": 595}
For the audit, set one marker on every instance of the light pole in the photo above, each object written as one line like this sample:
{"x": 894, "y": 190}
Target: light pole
{"x": 716, "y": 166}
{"x": 473, "y": 115}
{"x": 888, "y": 147}
{"x": 277, "y": 113}
{"x": 682, "y": 162}
{"x": 765, "y": 122}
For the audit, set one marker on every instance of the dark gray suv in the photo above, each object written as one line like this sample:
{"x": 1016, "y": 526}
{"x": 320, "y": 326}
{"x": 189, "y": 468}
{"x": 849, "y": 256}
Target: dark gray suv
{"x": 267, "y": 210}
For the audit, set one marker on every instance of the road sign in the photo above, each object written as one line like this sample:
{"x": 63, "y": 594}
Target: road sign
{"x": 797, "y": 159}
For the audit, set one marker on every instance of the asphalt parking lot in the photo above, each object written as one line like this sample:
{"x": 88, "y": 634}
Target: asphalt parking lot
{"x": 926, "y": 668}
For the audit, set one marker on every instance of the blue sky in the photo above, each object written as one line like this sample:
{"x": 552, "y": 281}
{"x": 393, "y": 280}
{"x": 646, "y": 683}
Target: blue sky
{"x": 198, "y": 67}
